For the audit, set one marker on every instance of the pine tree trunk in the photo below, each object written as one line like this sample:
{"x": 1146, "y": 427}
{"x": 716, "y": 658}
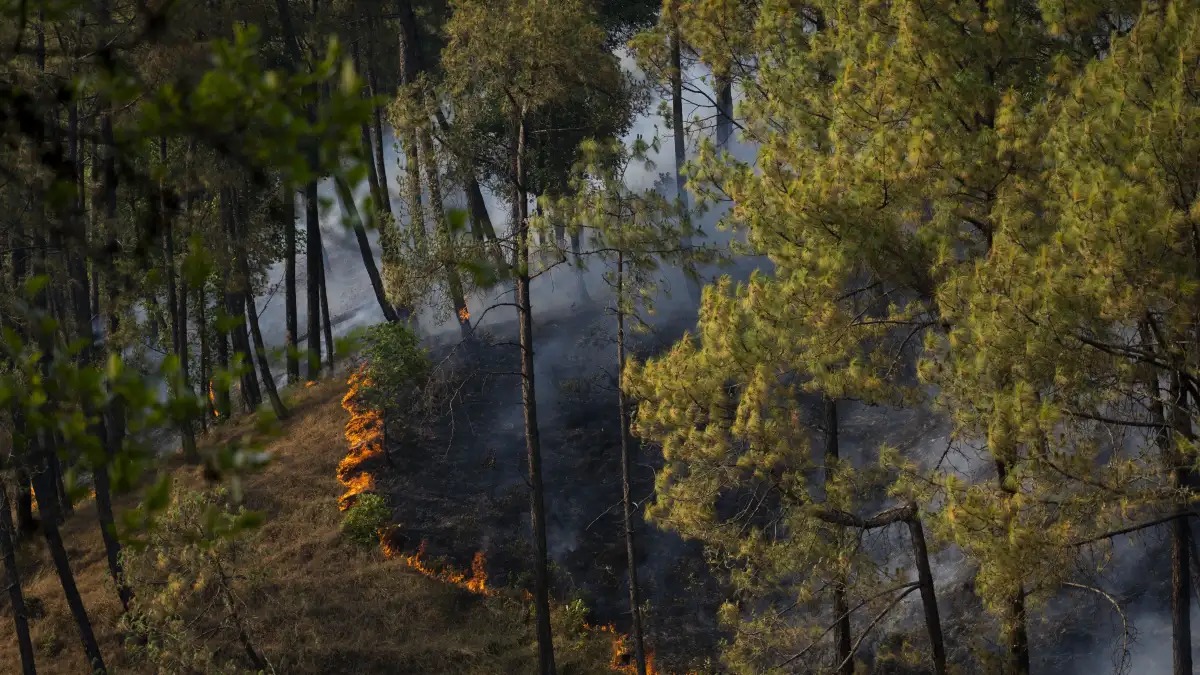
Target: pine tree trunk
{"x": 454, "y": 284}
{"x": 635, "y": 602}
{"x": 364, "y": 247}
{"x": 312, "y": 259}
{"x": 289, "y": 284}
{"x": 680, "y": 151}
{"x": 933, "y": 620}
{"x": 178, "y": 323}
{"x": 12, "y": 577}
{"x": 222, "y": 399}
{"x": 328, "y": 322}
{"x": 1181, "y": 535}
{"x": 24, "y": 499}
{"x": 26, "y": 523}
{"x": 1016, "y": 632}
{"x": 537, "y": 510}
{"x": 724, "y": 86}
{"x": 235, "y": 307}
{"x": 206, "y": 383}
{"x": 45, "y": 488}
{"x": 841, "y": 610}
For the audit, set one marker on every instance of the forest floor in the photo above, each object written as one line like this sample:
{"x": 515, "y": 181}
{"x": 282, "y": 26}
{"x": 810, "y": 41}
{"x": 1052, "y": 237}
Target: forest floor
{"x": 326, "y": 604}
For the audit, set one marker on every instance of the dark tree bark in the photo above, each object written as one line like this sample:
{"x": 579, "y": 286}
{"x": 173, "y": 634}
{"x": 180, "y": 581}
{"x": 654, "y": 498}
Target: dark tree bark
{"x": 724, "y": 85}
{"x": 635, "y": 602}
{"x": 680, "y": 151}
{"x": 12, "y": 577}
{"x": 933, "y": 619}
{"x": 45, "y": 488}
{"x": 251, "y": 313}
{"x": 1181, "y": 534}
{"x": 289, "y": 284}
{"x": 381, "y": 174}
{"x": 20, "y": 268}
{"x": 328, "y": 322}
{"x": 364, "y": 247}
{"x": 840, "y": 608}
{"x": 1016, "y": 632}
{"x": 222, "y": 401}
{"x": 537, "y": 508}
{"x": 235, "y": 304}
{"x": 312, "y": 260}
{"x": 187, "y": 438}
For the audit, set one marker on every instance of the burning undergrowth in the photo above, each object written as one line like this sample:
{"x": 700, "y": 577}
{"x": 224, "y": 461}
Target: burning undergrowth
{"x": 456, "y": 482}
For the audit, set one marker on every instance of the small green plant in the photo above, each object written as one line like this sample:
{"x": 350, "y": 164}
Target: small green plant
{"x": 365, "y": 518}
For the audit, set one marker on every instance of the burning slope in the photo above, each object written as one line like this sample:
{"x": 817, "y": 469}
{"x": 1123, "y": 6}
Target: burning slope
{"x": 364, "y": 438}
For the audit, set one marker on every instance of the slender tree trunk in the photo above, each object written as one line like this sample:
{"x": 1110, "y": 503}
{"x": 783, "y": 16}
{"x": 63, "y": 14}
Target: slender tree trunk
{"x": 222, "y": 399}
{"x": 680, "y": 151}
{"x": 235, "y": 307}
{"x": 537, "y": 510}
{"x": 312, "y": 259}
{"x": 635, "y": 602}
{"x": 178, "y": 321}
{"x": 1181, "y": 535}
{"x": 12, "y": 577}
{"x": 724, "y": 85}
{"x": 26, "y": 523}
{"x": 1016, "y": 632}
{"x": 24, "y": 498}
{"x": 206, "y": 383}
{"x": 45, "y": 488}
{"x": 328, "y": 323}
{"x": 364, "y": 247}
{"x": 260, "y": 349}
{"x": 841, "y": 609}
{"x": 454, "y": 284}
{"x": 933, "y": 620}
{"x": 289, "y": 284}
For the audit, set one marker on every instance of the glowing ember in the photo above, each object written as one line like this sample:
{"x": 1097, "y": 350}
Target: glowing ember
{"x": 463, "y": 314}
{"x": 310, "y": 383}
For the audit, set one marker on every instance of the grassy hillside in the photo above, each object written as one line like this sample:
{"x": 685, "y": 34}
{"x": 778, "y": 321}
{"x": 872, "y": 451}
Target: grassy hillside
{"x": 317, "y": 603}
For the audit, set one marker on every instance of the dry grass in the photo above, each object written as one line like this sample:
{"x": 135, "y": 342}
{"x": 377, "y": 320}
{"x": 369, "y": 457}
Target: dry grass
{"x": 321, "y": 604}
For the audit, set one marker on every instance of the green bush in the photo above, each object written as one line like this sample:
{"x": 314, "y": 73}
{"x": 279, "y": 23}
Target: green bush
{"x": 365, "y": 518}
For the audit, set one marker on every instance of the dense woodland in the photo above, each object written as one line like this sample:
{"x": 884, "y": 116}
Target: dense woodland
{"x": 929, "y": 272}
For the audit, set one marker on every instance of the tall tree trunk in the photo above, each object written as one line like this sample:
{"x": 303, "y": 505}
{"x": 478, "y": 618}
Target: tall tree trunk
{"x": 312, "y": 259}
{"x": 1181, "y": 533}
{"x": 235, "y": 306}
{"x": 178, "y": 318}
{"x": 1016, "y": 633}
{"x": 449, "y": 252}
{"x": 841, "y": 610}
{"x": 289, "y": 284}
{"x": 680, "y": 151}
{"x": 933, "y": 619}
{"x": 724, "y": 86}
{"x": 206, "y": 379}
{"x": 45, "y": 488}
{"x": 221, "y": 397}
{"x": 260, "y": 349}
{"x": 12, "y": 577}
{"x": 537, "y": 508}
{"x": 328, "y": 322}
{"x": 364, "y": 247}
{"x": 20, "y": 269}
{"x": 635, "y": 602}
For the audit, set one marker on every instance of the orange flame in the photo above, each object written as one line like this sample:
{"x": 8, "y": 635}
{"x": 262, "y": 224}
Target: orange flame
{"x": 463, "y": 313}
{"x": 475, "y": 583}
{"x": 310, "y": 383}
{"x": 364, "y": 434}
{"x": 213, "y": 399}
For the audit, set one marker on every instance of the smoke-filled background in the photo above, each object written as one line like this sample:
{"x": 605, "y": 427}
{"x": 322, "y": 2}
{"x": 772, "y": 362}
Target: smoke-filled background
{"x": 464, "y": 489}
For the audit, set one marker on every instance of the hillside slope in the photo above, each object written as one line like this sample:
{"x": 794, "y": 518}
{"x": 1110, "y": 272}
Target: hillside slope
{"x": 320, "y": 604}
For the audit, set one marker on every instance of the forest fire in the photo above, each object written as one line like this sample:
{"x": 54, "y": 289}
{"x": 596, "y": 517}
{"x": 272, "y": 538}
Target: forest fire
{"x": 364, "y": 435}
{"x": 476, "y": 582}
{"x": 464, "y": 314}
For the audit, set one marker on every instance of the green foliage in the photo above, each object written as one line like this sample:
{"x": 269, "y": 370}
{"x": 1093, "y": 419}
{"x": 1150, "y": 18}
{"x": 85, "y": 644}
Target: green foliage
{"x": 397, "y": 366}
{"x": 365, "y": 518}
{"x": 189, "y": 580}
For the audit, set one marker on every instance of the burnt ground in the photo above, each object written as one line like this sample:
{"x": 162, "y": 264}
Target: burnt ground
{"x": 461, "y": 485}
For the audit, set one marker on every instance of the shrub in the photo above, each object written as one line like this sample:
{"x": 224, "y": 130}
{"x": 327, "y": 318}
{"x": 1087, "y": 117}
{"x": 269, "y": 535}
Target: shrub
{"x": 397, "y": 366}
{"x": 368, "y": 515}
